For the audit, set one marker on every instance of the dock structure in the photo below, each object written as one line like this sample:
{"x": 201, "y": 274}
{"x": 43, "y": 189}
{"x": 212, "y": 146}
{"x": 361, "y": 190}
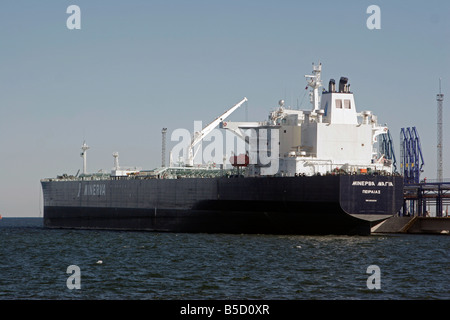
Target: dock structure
{"x": 421, "y": 198}
{"x": 414, "y": 225}
{"x": 425, "y": 203}
{"x": 425, "y": 210}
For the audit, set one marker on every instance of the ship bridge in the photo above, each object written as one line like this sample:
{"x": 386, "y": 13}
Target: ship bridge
{"x": 330, "y": 137}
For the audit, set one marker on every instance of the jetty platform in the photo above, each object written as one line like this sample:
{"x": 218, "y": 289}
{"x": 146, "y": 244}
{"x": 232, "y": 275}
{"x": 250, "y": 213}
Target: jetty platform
{"x": 414, "y": 225}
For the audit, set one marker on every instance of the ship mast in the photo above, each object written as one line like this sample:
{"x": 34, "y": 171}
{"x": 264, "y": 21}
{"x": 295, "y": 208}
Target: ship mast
{"x": 116, "y": 160}
{"x": 163, "y": 147}
{"x": 84, "y": 148}
{"x": 314, "y": 82}
{"x": 439, "y": 99}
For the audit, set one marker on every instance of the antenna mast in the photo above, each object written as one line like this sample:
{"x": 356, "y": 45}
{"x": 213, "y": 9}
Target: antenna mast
{"x": 163, "y": 146}
{"x": 84, "y": 148}
{"x": 439, "y": 99}
{"x": 314, "y": 82}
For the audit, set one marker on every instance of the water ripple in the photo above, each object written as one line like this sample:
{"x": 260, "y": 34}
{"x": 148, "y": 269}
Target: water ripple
{"x": 141, "y": 265}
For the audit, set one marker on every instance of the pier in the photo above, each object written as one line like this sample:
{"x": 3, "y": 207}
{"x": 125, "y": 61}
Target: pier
{"x": 421, "y": 198}
{"x": 424, "y": 211}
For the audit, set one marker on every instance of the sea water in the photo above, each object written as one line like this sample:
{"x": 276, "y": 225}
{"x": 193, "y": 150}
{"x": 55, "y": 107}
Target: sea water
{"x": 59, "y": 264}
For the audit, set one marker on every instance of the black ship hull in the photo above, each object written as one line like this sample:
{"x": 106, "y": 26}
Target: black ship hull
{"x": 332, "y": 204}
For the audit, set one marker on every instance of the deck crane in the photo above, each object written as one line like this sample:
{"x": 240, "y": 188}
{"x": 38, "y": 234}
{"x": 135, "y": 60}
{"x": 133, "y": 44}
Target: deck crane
{"x": 199, "y": 135}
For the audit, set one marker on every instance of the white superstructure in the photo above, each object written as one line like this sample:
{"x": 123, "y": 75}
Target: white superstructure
{"x": 330, "y": 137}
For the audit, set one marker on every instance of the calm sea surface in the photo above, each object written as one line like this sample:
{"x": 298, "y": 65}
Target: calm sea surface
{"x": 171, "y": 266}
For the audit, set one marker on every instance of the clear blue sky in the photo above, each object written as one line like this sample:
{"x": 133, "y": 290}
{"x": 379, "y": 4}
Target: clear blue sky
{"x": 137, "y": 66}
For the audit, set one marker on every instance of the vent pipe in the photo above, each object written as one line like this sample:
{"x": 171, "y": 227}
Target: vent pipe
{"x": 332, "y": 86}
{"x": 343, "y": 84}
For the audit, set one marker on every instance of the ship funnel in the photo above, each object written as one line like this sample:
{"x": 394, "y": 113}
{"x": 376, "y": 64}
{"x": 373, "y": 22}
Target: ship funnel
{"x": 332, "y": 86}
{"x": 343, "y": 84}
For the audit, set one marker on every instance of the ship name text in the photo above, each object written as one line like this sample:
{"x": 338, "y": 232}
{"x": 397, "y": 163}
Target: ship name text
{"x": 373, "y": 184}
{"x": 95, "y": 190}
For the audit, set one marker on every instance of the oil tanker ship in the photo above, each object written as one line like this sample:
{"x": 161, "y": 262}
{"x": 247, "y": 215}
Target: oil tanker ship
{"x": 327, "y": 170}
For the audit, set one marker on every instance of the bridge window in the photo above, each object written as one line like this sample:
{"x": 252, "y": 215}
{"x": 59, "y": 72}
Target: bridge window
{"x": 347, "y": 104}
{"x": 338, "y": 103}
